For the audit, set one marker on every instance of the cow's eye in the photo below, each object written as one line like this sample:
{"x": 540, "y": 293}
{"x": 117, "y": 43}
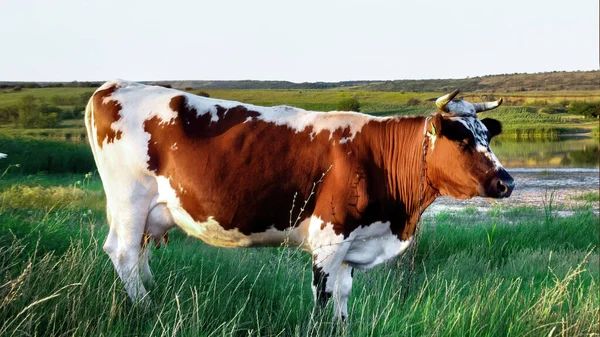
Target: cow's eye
{"x": 463, "y": 144}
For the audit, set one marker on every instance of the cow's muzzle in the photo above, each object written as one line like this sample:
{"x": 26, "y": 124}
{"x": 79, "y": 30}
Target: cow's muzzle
{"x": 500, "y": 186}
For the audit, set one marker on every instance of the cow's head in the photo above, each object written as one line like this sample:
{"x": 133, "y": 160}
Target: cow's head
{"x": 460, "y": 162}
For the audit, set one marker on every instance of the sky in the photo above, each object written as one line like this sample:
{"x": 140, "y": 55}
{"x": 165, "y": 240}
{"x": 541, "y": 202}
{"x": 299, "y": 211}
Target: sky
{"x": 298, "y": 41}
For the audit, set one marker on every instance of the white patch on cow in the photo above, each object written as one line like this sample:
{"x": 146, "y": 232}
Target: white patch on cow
{"x": 328, "y": 250}
{"x": 490, "y": 155}
{"x": 323, "y": 240}
{"x": 367, "y": 246}
{"x": 432, "y": 139}
{"x": 141, "y": 102}
{"x": 166, "y": 194}
{"x": 479, "y": 131}
{"x": 373, "y": 245}
{"x": 173, "y": 147}
{"x": 300, "y": 120}
{"x": 461, "y": 108}
{"x": 432, "y": 136}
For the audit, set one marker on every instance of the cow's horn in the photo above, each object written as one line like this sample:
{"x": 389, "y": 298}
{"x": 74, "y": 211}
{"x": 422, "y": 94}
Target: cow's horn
{"x": 479, "y": 107}
{"x": 442, "y": 101}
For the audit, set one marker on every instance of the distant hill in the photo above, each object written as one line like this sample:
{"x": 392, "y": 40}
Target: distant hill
{"x": 550, "y": 81}
{"x": 553, "y": 81}
{"x": 251, "y": 84}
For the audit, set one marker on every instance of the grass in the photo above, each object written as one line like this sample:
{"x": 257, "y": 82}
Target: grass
{"x": 526, "y": 123}
{"x": 590, "y": 197}
{"x": 72, "y": 131}
{"x": 35, "y": 155}
{"x": 531, "y": 278}
{"x": 10, "y": 97}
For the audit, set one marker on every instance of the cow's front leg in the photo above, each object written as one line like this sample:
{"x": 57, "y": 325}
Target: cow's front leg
{"x": 343, "y": 286}
{"x": 328, "y": 251}
{"x": 323, "y": 282}
{"x": 332, "y": 279}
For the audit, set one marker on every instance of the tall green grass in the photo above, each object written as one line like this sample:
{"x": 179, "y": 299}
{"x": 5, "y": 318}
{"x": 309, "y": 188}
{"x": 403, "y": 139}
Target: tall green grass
{"x": 527, "y": 123}
{"x": 534, "y": 277}
{"x": 36, "y": 155}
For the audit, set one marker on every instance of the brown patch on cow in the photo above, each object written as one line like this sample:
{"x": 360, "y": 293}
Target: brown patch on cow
{"x": 242, "y": 171}
{"x": 105, "y": 114}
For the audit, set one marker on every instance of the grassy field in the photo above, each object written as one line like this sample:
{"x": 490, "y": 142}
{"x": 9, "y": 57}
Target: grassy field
{"x": 10, "y": 97}
{"x": 537, "y": 276}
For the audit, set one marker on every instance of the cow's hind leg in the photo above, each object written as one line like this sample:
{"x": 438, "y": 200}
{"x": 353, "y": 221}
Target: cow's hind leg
{"x": 123, "y": 245}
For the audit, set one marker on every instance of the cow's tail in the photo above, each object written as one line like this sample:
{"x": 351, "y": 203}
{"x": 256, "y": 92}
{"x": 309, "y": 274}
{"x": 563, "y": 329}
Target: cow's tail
{"x": 92, "y": 136}
{"x": 89, "y": 126}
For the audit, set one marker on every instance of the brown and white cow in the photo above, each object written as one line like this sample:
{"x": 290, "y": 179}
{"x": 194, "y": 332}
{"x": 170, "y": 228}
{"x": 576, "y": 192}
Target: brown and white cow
{"x": 342, "y": 185}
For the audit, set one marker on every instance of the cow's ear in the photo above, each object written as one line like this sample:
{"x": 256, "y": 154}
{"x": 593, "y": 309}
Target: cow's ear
{"x": 434, "y": 127}
{"x": 493, "y": 126}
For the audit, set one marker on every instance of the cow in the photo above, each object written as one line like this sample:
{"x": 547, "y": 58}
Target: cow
{"x": 347, "y": 187}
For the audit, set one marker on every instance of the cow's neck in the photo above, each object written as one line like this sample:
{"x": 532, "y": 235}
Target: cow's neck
{"x": 398, "y": 152}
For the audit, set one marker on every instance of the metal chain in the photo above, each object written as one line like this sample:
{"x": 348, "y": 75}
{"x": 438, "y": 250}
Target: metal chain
{"x": 415, "y": 245}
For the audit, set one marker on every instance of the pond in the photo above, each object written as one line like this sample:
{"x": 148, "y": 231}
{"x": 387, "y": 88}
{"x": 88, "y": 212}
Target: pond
{"x": 563, "y": 153}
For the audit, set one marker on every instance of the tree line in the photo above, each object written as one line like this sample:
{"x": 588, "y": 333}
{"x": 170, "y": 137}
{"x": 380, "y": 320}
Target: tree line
{"x": 39, "y": 112}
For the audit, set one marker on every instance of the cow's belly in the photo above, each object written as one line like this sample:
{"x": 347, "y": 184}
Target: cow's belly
{"x": 372, "y": 245}
{"x": 213, "y": 233}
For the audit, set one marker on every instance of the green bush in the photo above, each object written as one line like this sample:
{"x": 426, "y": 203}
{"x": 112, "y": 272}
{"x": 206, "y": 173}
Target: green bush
{"x": 348, "y": 104}
{"x": 48, "y": 120}
{"x": 33, "y": 112}
{"x": 587, "y": 109}
{"x": 9, "y": 114}
{"x": 552, "y": 109}
{"x": 596, "y": 132}
{"x": 413, "y": 101}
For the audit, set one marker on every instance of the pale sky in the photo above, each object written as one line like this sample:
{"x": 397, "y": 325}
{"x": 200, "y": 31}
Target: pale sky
{"x": 302, "y": 40}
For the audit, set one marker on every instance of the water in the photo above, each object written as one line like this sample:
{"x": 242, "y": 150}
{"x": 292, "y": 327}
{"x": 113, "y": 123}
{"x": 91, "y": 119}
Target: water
{"x": 564, "y": 153}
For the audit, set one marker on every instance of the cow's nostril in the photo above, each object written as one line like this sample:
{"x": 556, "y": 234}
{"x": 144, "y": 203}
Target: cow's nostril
{"x": 501, "y": 187}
